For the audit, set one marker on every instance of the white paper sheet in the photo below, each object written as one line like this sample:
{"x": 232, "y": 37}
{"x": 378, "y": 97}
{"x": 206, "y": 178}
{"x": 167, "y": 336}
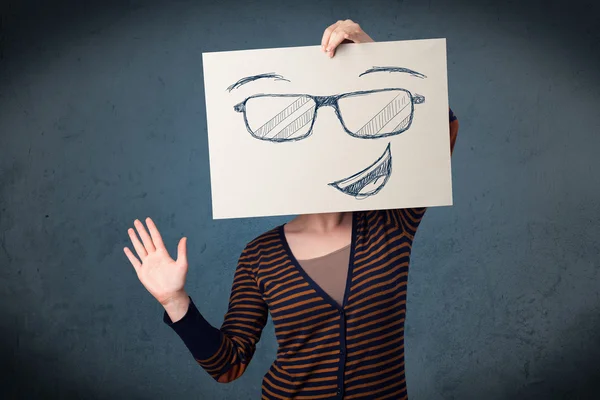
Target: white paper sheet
{"x": 384, "y": 147}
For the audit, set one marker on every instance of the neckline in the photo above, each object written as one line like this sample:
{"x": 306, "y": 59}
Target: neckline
{"x": 320, "y": 292}
{"x": 308, "y": 260}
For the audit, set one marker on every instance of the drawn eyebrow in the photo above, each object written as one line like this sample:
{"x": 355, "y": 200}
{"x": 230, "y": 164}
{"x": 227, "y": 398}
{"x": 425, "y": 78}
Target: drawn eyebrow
{"x": 252, "y": 78}
{"x": 393, "y": 69}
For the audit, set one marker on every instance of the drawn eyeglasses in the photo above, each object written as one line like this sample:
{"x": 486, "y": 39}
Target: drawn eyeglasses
{"x": 290, "y": 117}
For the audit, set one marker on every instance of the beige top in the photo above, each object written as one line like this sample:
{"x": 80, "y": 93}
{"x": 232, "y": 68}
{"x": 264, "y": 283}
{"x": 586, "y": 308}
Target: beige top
{"x": 330, "y": 272}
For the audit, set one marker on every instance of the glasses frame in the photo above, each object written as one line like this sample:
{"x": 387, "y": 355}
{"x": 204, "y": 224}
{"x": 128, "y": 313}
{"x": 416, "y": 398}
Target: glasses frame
{"x": 331, "y": 101}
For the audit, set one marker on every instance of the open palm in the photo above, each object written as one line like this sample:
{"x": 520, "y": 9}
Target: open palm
{"x": 162, "y": 276}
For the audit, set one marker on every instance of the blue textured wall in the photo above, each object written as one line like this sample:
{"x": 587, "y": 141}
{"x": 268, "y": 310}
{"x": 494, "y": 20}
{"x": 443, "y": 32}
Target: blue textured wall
{"x": 102, "y": 121}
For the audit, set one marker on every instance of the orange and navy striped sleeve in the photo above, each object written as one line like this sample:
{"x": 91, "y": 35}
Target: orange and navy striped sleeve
{"x": 410, "y": 218}
{"x": 225, "y": 353}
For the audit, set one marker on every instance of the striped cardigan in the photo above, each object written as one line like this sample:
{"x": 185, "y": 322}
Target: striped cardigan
{"x": 355, "y": 351}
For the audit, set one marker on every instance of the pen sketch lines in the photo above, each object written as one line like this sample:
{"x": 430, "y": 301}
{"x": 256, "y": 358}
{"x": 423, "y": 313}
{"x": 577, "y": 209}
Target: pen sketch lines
{"x": 286, "y": 115}
{"x": 385, "y": 116}
{"x": 252, "y": 78}
{"x": 394, "y": 69}
{"x": 290, "y": 129}
{"x": 292, "y": 116}
{"x": 370, "y": 180}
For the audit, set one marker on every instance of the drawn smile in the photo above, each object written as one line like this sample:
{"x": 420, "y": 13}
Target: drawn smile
{"x": 370, "y": 180}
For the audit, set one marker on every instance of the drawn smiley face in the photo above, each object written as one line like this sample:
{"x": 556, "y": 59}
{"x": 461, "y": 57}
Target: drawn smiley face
{"x": 290, "y": 117}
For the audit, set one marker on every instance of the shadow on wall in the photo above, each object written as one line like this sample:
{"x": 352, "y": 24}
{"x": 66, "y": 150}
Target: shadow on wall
{"x": 25, "y": 377}
{"x": 572, "y": 368}
{"x": 567, "y": 368}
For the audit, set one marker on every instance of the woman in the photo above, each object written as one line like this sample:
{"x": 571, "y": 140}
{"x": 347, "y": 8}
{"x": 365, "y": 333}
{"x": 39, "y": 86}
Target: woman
{"x": 335, "y": 285}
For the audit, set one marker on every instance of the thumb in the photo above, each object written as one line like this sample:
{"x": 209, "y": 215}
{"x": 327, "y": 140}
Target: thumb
{"x": 182, "y": 251}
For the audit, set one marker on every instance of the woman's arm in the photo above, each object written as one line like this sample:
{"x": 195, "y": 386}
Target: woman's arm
{"x": 410, "y": 218}
{"x": 224, "y": 353}
{"x": 453, "y": 131}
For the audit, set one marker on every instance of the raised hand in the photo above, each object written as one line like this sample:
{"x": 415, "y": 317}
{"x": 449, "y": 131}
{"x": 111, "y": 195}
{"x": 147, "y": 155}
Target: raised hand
{"x": 162, "y": 276}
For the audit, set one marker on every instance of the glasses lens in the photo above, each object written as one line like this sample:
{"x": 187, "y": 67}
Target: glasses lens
{"x": 377, "y": 113}
{"x": 280, "y": 118}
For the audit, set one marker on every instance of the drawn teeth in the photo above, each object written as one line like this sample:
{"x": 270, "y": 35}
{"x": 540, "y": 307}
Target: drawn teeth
{"x": 370, "y": 180}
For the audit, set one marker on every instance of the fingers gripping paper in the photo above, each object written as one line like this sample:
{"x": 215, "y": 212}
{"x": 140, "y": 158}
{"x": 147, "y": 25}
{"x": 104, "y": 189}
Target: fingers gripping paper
{"x": 292, "y": 131}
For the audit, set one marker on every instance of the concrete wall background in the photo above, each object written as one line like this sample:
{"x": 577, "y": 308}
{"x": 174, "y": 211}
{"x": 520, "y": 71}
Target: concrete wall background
{"x": 102, "y": 121}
